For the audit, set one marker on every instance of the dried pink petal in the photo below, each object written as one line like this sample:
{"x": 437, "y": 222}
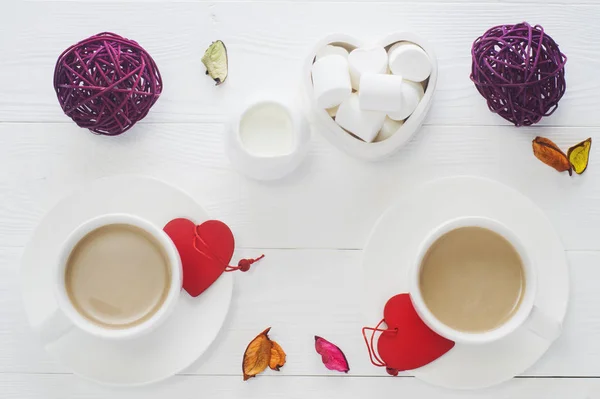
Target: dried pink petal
{"x": 333, "y": 358}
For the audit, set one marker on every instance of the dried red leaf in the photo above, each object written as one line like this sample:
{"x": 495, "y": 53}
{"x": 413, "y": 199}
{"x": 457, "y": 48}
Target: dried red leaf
{"x": 333, "y": 358}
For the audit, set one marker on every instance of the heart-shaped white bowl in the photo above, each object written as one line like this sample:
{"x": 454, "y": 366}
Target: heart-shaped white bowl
{"x": 349, "y": 143}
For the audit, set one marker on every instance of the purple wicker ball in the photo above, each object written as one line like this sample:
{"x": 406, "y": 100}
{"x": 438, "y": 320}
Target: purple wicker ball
{"x": 520, "y": 71}
{"x": 106, "y": 83}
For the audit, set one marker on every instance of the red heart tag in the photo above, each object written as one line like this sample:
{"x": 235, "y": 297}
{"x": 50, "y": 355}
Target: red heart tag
{"x": 408, "y": 343}
{"x": 205, "y": 251}
{"x": 414, "y": 344}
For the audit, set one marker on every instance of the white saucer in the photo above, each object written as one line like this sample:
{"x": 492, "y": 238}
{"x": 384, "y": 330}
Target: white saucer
{"x": 395, "y": 240}
{"x": 173, "y": 346}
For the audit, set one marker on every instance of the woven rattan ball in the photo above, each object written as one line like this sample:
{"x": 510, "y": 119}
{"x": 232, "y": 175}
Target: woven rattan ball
{"x": 106, "y": 83}
{"x": 520, "y": 71}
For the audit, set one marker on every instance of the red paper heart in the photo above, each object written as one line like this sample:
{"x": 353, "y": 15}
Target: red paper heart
{"x": 414, "y": 344}
{"x": 203, "y": 264}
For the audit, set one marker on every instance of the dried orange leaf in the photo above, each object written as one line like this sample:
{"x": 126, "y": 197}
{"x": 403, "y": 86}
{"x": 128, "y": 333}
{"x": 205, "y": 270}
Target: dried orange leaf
{"x": 549, "y": 153}
{"x": 277, "y": 357}
{"x": 257, "y": 355}
{"x": 579, "y": 155}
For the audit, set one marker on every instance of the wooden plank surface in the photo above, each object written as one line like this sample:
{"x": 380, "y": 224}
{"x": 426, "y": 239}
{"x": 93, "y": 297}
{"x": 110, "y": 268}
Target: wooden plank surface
{"x": 194, "y": 387}
{"x": 268, "y": 43}
{"x": 302, "y": 293}
{"x": 332, "y": 201}
{"x": 313, "y": 225}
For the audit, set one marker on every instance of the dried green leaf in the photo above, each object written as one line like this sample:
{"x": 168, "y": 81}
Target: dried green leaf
{"x": 215, "y": 61}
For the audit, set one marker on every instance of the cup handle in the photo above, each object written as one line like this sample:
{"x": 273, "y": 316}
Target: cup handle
{"x": 54, "y": 326}
{"x": 543, "y": 325}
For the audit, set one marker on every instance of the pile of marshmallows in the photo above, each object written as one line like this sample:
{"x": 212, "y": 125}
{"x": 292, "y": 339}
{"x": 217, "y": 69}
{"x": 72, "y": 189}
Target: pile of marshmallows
{"x": 370, "y": 92}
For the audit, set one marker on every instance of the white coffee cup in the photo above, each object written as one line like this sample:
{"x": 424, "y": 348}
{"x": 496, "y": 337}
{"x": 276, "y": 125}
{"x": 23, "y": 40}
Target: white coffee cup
{"x": 65, "y": 317}
{"x": 528, "y": 315}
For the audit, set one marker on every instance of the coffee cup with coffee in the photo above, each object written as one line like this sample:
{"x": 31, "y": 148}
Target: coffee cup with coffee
{"x": 473, "y": 282}
{"x": 117, "y": 276}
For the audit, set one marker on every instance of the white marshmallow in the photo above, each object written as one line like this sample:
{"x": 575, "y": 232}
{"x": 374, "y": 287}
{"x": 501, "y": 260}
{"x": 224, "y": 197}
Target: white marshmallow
{"x": 410, "y": 61}
{"x": 412, "y": 93}
{"x": 331, "y": 50}
{"x": 380, "y": 92}
{"x": 333, "y": 111}
{"x": 364, "y": 124}
{"x": 389, "y": 127}
{"x": 366, "y": 60}
{"x": 331, "y": 81}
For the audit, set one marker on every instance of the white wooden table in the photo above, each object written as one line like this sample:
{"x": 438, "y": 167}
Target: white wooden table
{"x": 313, "y": 225}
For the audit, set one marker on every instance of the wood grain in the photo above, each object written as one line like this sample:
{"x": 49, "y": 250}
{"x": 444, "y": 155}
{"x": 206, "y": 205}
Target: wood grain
{"x": 332, "y": 201}
{"x": 268, "y": 43}
{"x": 193, "y": 387}
{"x": 302, "y": 293}
{"x": 312, "y": 225}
